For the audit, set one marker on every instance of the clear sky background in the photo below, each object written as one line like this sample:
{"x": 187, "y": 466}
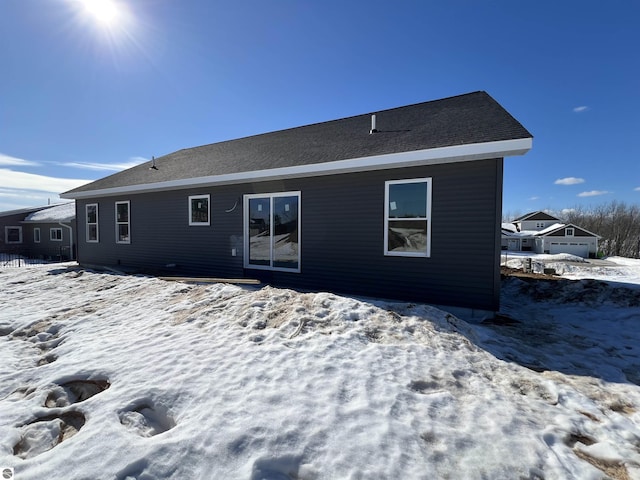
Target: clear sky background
{"x": 83, "y": 95}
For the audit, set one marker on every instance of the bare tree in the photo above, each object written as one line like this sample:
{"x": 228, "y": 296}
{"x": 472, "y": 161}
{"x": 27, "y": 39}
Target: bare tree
{"x": 616, "y": 222}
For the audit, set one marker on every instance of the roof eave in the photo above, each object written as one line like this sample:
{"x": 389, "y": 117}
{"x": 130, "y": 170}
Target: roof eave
{"x": 432, "y": 156}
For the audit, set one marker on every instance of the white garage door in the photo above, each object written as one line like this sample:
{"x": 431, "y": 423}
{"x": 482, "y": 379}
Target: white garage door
{"x": 579, "y": 249}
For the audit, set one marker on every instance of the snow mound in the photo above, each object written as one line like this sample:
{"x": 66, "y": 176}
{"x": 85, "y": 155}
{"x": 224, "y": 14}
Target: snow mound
{"x": 588, "y": 292}
{"x": 113, "y": 376}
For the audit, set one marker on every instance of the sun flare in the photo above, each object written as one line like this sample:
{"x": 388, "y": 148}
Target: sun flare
{"x": 105, "y": 12}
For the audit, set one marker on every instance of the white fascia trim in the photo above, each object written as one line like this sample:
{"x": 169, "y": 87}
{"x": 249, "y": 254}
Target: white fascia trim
{"x": 432, "y": 156}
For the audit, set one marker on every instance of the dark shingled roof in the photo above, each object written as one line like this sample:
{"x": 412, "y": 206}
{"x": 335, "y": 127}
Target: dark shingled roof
{"x": 538, "y": 215}
{"x": 461, "y": 120}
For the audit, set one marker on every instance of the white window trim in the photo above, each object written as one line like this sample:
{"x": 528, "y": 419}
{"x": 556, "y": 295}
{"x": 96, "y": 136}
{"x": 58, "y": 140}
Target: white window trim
{"x": 425, "y": 254}
{"x": 128, "y": 222}
{"x": 200, "y": 224}
{"x": 37, "y": 238}
{"x": 570, "y": 232}
{"x": 55, "y": 229}
{"x": 245, "y": 220}
{"x": 6, "y": 235}
{"x": 86, "y": 216}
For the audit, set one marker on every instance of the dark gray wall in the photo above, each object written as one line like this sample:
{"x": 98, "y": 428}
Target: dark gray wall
{"x": 342, "y": 235}
{"x": 578, "y": 232}
{"x": 12, "y": 221}
{"x": 48, "y": 249}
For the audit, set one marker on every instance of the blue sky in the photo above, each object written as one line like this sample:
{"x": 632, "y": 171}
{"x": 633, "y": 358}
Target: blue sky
{"x": 81, "y": 98}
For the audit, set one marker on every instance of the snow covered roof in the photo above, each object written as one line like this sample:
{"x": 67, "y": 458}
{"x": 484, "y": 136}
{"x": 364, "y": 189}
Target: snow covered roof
{"x": 509, "y": 227}
{"x": 552, "y": 228}
{"x": 19, "y": 211}
{"x": 58, "y": 213}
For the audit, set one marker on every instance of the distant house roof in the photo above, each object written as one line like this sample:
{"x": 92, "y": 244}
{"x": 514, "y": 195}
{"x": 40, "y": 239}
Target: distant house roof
{"x": 507, "y": 231}
{"x": 509, "y": 228}
{"x": 559, "y": 226}
{"x": 19, "y": 211}
{"x": 550, "y": 228}
{"x": 430, "y": 132}
{"x": 58, "y": 213}
{"x": 539, "y": 215}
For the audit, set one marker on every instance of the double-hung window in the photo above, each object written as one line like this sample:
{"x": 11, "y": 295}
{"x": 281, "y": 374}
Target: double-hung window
{"x": 407, "y": 218}
{"x": 123, "y": 231}
{"x": 55, "y": 234}
{"x": 199, "y": 210}
{"x": 272, "y": 231}
{"x": 92, "y": 222}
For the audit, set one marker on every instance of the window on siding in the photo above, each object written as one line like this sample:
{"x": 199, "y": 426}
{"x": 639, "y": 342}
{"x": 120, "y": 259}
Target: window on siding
{"x": 199, "y": 210}
{"x": 407, "y": 218}
{"x": 13, "y": 234}
{"x": 272, "y": 231}
{"x": 540, "y": 225}
{"x": 92, "y": 222}
{"x": 55, "y": 234}
{"x": 36, "y": 235}
{"x": 123, "y": 231}
{"x": 570, "y": 232}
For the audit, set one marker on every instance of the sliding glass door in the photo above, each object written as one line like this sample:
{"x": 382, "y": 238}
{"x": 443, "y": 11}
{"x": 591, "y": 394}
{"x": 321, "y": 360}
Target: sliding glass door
{"x": 272, "y": 231}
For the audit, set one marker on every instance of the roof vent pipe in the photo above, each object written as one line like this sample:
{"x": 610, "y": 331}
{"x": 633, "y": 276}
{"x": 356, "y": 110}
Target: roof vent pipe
{"x": 373, "y": 125}
{"x": 153, "y": 164}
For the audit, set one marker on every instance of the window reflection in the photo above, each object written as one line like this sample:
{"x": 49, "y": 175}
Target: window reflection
{"x": 273, "y": 231}
{"x": 260, "y": 231}
{"x": 407, "y": 219}
{"x": 285, "y": 228}
{"x": 408, "y": 200}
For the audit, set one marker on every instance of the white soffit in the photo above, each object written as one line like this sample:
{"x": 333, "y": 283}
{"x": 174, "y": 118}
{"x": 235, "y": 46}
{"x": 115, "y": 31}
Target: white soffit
{"x": 433, "y": 156}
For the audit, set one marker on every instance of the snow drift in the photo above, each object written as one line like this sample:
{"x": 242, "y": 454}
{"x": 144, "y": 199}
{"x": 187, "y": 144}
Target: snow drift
{"x": 131, "y": 377}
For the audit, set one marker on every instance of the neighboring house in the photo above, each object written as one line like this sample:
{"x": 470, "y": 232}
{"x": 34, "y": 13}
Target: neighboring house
{"x": 50, "y": 233}
{"x": 543, "y": 233}
{"x": 404, "y": 203}
{"x": 12, "y": 238}
{"x": 46, "y": 232}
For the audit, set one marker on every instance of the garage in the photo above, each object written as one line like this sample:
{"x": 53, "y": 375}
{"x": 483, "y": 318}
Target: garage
{"x": 579, "y": 249}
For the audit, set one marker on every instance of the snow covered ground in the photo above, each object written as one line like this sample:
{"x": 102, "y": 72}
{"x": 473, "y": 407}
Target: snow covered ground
{"x": 611, "y": 269}
{"x": 106, "y": 376}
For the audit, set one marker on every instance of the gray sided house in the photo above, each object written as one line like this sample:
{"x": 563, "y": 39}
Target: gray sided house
{"x": 46, "y": 233}
{"x": 50, "y": 233}
{"x": 12, "y": 235}
{"x": 403, "y": 203}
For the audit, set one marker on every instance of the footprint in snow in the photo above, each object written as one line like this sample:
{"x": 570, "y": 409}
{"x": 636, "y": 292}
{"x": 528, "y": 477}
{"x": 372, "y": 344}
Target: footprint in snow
{"x": 146, "y": 418}
{"x": 75, "y": 391}
{"x": 282, "y": 468}
{"x": 44, "y": 433}
{"x": 44, "y": 335}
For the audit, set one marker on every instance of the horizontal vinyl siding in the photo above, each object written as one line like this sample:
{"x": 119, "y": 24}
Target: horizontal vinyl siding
{"x": 12, "y": 221}
{"x": 161, "y": 235}
{"x": 47, "y": 247}
{"x": 343, "y": 230}
{"x": 577, "y": 233}
{"x": 342, "y": 235}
